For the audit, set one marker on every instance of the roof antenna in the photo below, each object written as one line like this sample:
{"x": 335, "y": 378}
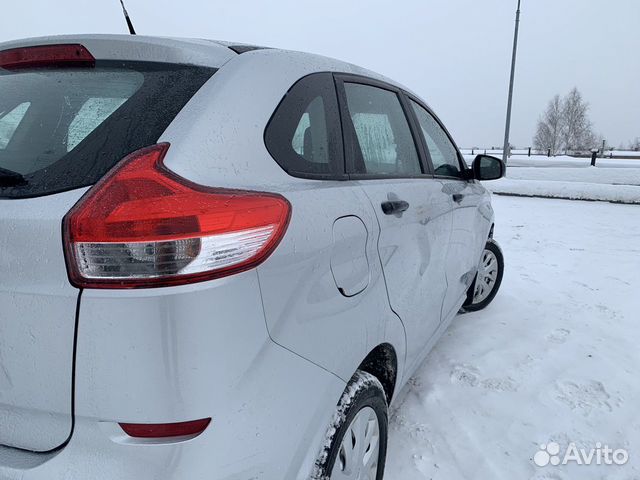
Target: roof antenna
{"x": 126, "y": 17}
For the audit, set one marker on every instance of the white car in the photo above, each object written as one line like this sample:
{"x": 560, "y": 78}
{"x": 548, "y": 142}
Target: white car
{"x": 220, "y": 261}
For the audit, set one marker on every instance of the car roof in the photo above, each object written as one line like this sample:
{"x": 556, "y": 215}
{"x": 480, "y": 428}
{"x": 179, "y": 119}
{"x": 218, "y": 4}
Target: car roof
{"x": 203, "y": 52}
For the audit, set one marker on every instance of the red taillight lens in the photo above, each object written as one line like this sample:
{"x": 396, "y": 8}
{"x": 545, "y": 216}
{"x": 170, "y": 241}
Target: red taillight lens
{"x": 144, "y": 226}
{"x": 163, "y": 430}
{"x": 69, "y": 55}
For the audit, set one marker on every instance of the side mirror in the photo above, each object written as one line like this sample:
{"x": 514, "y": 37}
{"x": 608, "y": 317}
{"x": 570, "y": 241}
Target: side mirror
{"x": 486, "y": 167}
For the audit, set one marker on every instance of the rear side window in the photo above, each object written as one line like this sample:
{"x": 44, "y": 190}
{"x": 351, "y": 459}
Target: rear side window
{"x": 310, "y": 140}
{"x": 64, "y": 128}
{"x": 382, "y": 132}
{"x": 304, "y": 134}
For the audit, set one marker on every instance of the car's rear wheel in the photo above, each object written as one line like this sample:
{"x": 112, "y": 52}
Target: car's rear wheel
{"x": 488, "y": 280}
{"x": 356, "y": 443}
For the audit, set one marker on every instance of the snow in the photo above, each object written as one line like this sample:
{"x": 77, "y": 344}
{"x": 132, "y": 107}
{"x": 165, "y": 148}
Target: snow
{"x": 567, "y": 190}
{"x": 605, "y": 175}
{"x": 562, "y": 161}
{"x": 554, "y": 358}
{"x": 624, "y": 153}
{"x": 571, "y": 178}
{"x": 566, "y": 161}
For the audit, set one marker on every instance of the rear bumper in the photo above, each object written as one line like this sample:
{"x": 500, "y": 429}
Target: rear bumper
{"x": 271, "y": 431}
{"x": 179, "y": 354}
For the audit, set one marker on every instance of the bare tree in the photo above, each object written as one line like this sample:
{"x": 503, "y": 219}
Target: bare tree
{"x": 635, "y": 145}
{"x": 550, "y": 127}
{"x": 577, "y": 131}
{"x": 565, "y": 125}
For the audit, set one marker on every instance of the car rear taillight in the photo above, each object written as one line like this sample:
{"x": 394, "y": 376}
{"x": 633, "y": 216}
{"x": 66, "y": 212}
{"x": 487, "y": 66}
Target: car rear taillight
{"x": 66, "y": 55}
{"x": 144, "y": 226}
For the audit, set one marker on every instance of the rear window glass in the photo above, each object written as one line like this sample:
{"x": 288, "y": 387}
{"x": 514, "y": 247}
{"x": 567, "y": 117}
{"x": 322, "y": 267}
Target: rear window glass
{"x": 64, "y": 128}
{"x": 93, "y": 112}
{"x": 9, "y": 122}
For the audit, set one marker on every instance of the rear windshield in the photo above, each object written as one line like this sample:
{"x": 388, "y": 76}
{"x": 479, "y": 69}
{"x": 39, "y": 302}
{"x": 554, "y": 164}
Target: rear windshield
{"x": 64, "y": 128}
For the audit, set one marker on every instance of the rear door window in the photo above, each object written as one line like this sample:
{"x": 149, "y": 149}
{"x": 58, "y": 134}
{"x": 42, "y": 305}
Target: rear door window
{"x": 64, "y": 128}
{"x": 382, "y": 132}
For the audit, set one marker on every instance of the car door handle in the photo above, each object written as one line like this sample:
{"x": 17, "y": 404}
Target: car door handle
{"x": 458, "y": 197}
{"x": 394, "y": 206}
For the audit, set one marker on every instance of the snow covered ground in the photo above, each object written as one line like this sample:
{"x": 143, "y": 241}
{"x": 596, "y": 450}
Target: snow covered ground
{"x": 567, "y": 189}
{"x": 562, "y": 161}
{"x": 571, "y": 178}
{"x": 555, "y": 358}
{"x": 600, "y": 175}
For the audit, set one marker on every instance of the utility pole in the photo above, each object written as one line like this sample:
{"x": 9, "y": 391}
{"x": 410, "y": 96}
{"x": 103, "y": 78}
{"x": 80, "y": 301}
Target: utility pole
{"x": 505, "y": 148}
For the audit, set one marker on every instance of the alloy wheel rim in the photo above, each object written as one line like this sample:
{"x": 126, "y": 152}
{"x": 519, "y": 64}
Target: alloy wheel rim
{"x": 357, "y": 457}
{"x": 487, "y": 276}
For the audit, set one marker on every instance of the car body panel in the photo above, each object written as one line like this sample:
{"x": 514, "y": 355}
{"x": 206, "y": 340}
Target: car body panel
{"x": 256, "y": 431}
{"x": 170, "y": 355}
{"x": 462, "y": 254}
{"x": 37, "y": 324}
{"x": 305, "y": 310}
{"x": 412, "y": 246}
{"x": 168, "y": 341}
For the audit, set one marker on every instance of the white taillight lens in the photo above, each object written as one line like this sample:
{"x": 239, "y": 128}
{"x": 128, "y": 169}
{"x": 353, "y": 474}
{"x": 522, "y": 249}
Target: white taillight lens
{"x": 143, "y": 226}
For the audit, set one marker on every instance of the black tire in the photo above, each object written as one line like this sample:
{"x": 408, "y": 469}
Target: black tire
{"x": 364, "y": 390}
{"x": 469, "y": 305}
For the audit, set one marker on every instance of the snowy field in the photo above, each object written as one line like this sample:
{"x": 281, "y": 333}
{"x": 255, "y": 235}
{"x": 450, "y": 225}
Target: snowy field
{"x": 555, "y": 358}
{"x": 568, "y": 189}
{"x": 570, "y": 178}
{"x": 562, "y": 161}
{"x": 599, "y": 175}
{"x": 523, "y": 154}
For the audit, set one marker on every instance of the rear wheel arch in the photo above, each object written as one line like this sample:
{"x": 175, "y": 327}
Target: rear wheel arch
{"x": 382, "y": 363}
{"x": 363, "y": 392}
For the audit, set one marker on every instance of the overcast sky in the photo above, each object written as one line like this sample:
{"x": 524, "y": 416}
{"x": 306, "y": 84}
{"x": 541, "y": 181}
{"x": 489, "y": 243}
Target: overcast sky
{"x": 454, "y": 53}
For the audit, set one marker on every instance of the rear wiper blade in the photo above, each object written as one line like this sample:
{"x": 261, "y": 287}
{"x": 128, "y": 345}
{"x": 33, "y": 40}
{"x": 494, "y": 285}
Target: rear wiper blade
{"x": 9, "y": 178}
